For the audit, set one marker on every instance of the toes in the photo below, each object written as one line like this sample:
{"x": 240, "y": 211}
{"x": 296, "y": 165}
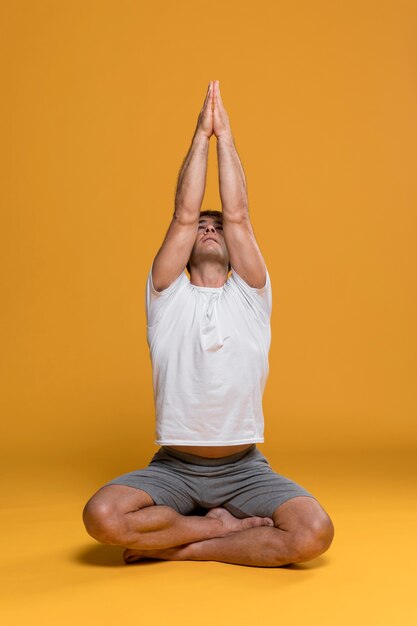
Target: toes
{"x": 130, "y": 556}
{"x": 132, "y": 559}
{"x": 258, "y": 521}
{"x": 252, "y": 522}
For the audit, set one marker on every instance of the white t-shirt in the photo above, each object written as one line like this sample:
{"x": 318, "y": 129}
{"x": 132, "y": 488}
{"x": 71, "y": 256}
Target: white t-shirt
{"x": 209, "y": 350}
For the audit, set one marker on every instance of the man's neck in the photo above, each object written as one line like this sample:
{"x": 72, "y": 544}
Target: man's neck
{"x": 208, "y": 275}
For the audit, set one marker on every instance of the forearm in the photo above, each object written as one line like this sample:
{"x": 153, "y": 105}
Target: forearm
{"x": 232, "y": 181}
{"x": 192, "y": 179}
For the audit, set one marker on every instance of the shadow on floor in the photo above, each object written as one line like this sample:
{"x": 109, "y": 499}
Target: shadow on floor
{"x": 105, "y": 556}
{"x": 317, "y": 563}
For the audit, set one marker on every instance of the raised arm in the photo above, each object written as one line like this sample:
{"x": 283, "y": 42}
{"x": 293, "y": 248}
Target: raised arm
{"x": 175, "y": 250}
{"x": 244, "y": 253}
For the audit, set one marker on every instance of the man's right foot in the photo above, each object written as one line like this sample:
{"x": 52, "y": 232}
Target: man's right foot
{"x": 233, "y": 524}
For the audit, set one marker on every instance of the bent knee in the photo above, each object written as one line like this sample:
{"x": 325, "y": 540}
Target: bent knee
{"x": 102, "y": 521}
{"x": 313, "y": 540}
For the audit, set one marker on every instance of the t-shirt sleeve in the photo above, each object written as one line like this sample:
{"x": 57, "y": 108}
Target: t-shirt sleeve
{"x": 259, "y": 298}
{"x": 157, "y": 301}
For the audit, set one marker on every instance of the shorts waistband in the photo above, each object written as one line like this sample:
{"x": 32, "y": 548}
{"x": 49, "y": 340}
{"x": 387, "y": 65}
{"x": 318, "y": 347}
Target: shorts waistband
{"x": 204, "y": 460}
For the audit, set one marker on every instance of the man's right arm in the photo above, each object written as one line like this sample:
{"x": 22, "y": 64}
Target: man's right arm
{"x": 176, "y": 248}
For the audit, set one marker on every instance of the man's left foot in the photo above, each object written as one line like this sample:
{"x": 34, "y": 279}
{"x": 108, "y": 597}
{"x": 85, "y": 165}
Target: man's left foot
{"x": 166, "y": 554}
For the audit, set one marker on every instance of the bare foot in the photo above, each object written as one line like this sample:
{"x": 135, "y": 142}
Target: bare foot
{"x": 230, "y": 524}
{"x": 166, "y": 554}
{"x": 233, "y": 524}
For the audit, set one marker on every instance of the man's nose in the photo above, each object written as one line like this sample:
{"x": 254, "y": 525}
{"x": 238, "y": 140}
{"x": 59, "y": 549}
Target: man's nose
{"x": 210, "y": 228}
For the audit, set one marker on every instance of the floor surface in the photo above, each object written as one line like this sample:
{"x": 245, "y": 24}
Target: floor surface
{"x": 54, "y": 573}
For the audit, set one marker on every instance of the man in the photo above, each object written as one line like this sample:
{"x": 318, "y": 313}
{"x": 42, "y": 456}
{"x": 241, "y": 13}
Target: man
{"x": 209, "y": 338}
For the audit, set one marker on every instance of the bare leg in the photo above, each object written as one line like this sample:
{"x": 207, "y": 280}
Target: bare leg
{"x": 302, "y": 531}
{"x": 121, "y": 515}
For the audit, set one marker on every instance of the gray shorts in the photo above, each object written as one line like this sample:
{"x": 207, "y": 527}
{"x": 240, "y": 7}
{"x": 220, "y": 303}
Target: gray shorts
{"x": 243, "y": 483}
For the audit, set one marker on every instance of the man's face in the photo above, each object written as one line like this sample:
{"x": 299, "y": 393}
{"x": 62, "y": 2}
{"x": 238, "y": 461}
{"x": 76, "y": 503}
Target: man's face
{"x": 209, "y": 242}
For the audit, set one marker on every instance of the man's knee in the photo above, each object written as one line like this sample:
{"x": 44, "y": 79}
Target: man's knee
{"x": 308, "y": 527}
{"x": 313, "y": 539}
{"x": 102, "y": 521}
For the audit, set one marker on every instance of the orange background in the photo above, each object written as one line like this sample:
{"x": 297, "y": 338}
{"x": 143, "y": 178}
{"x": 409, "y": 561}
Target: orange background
{"x": 99, "y": 101}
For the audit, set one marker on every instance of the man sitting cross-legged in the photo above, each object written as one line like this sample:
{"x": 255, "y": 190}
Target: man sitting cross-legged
{"x": 209, "y": 337}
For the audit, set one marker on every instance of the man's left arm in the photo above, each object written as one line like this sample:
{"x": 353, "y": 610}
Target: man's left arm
{"x": 244, "y": 253}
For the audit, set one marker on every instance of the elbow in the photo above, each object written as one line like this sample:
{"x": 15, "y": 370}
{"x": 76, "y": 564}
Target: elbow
{"x": 185, "y": 216}
{"x": 237, "y": 216}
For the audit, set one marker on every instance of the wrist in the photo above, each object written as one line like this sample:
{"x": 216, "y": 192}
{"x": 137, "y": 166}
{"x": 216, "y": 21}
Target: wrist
{"x": 200, "y": 136}
{"x": 225, "y": 137}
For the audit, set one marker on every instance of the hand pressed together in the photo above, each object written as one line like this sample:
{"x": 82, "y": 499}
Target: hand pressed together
{"x": 213, "y": 118}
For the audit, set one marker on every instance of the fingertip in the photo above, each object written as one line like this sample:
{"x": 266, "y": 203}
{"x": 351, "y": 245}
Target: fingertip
{"x": 217, "y": 89}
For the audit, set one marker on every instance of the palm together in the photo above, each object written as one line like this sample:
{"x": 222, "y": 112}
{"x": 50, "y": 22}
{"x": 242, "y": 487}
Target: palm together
{"x": 213, "y": 118}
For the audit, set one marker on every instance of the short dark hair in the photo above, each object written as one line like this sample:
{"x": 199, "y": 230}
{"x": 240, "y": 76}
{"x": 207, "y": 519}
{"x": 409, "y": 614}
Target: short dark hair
{"x": 209, "y": 213}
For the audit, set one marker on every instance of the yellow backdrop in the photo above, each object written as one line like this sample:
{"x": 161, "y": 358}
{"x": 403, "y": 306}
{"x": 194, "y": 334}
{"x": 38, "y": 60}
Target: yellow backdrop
{"x": 99, "y": 104}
